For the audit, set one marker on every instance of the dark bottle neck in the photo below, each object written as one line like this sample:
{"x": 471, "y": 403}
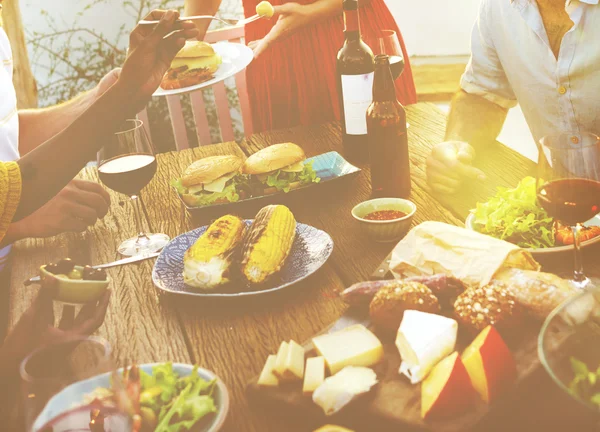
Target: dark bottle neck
{"x": 384, "y": 89}
{"x": 351, "y": 22}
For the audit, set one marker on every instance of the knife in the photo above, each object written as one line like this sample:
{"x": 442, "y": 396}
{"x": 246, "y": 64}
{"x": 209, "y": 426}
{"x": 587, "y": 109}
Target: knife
{"x": 129, "y": 260}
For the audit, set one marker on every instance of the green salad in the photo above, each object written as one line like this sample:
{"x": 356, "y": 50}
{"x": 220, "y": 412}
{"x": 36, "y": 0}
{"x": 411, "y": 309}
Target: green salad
{"x": 161, "y": 401}
{"x": 514, "y": 215}
{"x": 586, "y": 384}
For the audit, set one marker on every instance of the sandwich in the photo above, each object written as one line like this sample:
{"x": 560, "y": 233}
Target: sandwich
{"x": 280, "y": 167}
{"x": 212, "y": 180}
{"x": 195, "y": 63}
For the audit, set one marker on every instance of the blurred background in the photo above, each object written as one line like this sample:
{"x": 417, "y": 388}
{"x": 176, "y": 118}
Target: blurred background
{"x": 73, "y": 43}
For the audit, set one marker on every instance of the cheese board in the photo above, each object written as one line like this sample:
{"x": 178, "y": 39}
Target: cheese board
{"x": 505, "y": 359}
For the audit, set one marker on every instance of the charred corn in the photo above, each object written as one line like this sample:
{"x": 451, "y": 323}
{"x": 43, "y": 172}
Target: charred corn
{"x": 268, "y": 242}
{"x": 207, "y": 263}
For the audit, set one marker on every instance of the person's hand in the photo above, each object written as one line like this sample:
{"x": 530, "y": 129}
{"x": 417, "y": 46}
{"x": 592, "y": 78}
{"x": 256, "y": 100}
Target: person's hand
{"x": 36, "y": 328}
{"x": 79, "y": 205}
{"x": 107, "y": 82}
{"x": 449, "y": 165}
{"x": 291, "y": 18}
{"x": 151, "y": 50}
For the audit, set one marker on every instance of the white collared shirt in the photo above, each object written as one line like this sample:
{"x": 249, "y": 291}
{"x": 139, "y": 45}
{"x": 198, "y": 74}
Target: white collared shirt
{"x": 9, "y": 119}
{"x": 512, "y": 61}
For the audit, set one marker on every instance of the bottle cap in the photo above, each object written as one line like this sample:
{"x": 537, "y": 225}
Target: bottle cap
{"x": 382, "y": 59}
{"x": 350, "y": 4}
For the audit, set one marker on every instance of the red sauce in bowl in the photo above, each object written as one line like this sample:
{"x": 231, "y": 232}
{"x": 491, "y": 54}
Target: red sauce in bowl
{"x": 384, "y": 215}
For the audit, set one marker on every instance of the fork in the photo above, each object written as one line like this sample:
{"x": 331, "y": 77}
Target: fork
{"x": 226, "y": 21}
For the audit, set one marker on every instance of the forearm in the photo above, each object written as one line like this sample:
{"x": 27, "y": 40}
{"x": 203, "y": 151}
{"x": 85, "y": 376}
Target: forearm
{"x": 474, "y": 120}
{"x": 202, "y": 7}
{"x": 48, "y": 168}
{"x": 37, "y": 126}
{"x": 16, "y": 231}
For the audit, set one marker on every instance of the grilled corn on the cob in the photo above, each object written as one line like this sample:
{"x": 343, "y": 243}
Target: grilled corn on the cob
{"x": 207, "y": 263}
{"x": 268, "y": 242}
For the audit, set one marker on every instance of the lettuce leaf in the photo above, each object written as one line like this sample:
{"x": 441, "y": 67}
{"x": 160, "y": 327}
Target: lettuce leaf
{"x": 181, "y": 189}
{"x": 190, "y": 406}
{"x": 282, "y": 180}
{"x": 308, "y": 174}
{"x": 515, "y": 216}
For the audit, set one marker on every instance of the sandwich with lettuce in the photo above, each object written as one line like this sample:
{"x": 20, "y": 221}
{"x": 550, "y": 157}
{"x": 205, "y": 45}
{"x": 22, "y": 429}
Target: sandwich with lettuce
{"x": 280, "y": 167}
{"x": 212, "y": 180}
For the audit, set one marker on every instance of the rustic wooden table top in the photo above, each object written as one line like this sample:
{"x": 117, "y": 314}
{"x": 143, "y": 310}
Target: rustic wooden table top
{"x": 233, "y": 339}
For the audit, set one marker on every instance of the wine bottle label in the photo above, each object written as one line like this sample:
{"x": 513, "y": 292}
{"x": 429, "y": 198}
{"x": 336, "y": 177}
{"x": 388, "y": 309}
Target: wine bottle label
{"x": 357, "y": 94}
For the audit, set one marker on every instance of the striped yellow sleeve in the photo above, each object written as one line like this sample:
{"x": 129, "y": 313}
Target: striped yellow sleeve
{"x": 10, "y": 194}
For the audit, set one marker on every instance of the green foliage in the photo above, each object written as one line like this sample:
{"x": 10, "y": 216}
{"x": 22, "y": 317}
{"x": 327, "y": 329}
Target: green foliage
{"x": 73, "y": 58}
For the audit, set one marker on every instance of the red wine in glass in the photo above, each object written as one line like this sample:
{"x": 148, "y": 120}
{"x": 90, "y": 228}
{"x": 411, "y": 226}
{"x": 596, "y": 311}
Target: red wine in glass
{"x": 568, "y": 185}
{"x": 396, "y": 65}
{"x": 571, "y": 201}
{"x": 128, "y": 174}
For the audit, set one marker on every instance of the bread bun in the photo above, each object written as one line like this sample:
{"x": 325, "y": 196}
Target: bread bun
{"x": 195, "y": 49}
{"x": 191, "y": 200}
{"x": 273, "y": 158}
{"x": 209, "y": 169}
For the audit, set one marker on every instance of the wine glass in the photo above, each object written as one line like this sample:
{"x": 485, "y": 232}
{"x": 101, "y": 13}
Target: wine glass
{"x": 388, "y": 44}
{"x": 57, "y": 388}
{"x": 568, "y": 185}
{"x": 126, "y": 164}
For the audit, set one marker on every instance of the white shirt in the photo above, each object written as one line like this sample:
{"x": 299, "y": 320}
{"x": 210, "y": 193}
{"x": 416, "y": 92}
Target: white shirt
{"x": 512, "y": 61}
{"x": 9, "y": 119}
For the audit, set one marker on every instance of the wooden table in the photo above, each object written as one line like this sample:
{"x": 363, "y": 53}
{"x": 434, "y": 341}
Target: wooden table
{"x": 234, "y": 338}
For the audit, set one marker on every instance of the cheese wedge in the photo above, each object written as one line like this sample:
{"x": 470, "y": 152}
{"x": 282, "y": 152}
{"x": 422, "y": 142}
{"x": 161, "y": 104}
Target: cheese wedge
{"x": 423, "y": 340}
{"x": 353, "y": 346}
{"x": 280, "y": 360}
{"x": 314, "y": 374}
{"x": 289, "y": 363}
{"x": 297, "y": 167}
{"x": 339, "y": 390}
{"x": 267, "y": 378}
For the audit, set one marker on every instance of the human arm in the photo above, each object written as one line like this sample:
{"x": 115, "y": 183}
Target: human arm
{"x": 36, "y": 126}
{"x": 77, "y": 206}
{"x": 477, "y": 113}
{"x": 292, "y": 17}
{"x": 44, "y": 173}
{"x": 202, "y": 7}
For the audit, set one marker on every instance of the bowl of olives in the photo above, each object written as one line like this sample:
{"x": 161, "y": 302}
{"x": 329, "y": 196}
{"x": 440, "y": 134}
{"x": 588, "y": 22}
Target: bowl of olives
{"x": 76, "y": 284}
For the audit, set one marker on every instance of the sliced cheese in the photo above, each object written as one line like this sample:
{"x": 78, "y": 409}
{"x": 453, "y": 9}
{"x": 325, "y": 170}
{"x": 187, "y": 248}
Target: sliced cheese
{"x": 339, "y": 390}
{"x": 297, "y": 167}
{"x": 353, "y": 346}
{"x": 196, "y": 189}
{"x": 219, "y": 184}
{"x": 280, "y": 360}
{"x": 267, "y": 378}
{"x": 314, "y": 374}
{"x": 294, "y": 362}
{"x": 210, "y": 62}
{"x": 424, "y": 340}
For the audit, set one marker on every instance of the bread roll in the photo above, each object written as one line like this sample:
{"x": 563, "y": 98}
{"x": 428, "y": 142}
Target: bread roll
{"x": 209, "y": 169}
{"x": 195, "y": 49}
{"x": 273, "y": 158}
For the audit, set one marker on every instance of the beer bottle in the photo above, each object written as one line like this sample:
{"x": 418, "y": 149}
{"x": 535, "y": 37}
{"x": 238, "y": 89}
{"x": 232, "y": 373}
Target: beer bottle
{"x": 387, "y": 137}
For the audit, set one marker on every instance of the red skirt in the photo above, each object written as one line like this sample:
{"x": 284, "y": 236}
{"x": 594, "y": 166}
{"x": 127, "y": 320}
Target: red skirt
{"x": 294, "y": 81}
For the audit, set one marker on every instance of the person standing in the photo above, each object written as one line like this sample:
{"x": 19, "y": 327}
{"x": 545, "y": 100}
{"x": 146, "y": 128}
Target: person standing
{"x": 292, "y": 79}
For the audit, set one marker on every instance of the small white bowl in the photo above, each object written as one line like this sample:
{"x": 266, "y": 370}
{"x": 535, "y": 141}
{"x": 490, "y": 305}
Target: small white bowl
{"x": 76, "y": 291}
{"x": 388, "y": 230}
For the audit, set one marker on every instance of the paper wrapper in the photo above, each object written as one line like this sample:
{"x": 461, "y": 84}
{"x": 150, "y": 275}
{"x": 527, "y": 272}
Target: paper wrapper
{"x": 474, "y": 258}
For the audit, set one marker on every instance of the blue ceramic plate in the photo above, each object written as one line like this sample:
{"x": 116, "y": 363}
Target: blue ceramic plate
{"x": 64, "y": 400}
{"x": 311, "y": 249}
{"x": 328, "y": 166}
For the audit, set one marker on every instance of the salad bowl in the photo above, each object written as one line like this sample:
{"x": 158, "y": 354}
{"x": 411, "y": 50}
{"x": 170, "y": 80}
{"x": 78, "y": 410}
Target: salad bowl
{"x": 61, "y": 402}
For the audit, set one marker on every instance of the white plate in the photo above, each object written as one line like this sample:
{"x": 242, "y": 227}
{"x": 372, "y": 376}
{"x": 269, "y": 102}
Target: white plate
{"x": 595, "y": 221}
{"x": 236, "y": 57}
{"x": 63, "y": 401}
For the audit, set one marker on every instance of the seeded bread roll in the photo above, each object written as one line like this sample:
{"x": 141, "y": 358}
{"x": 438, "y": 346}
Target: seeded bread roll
{"x": 388, "y": 306}
{"x": 494, "y": 304}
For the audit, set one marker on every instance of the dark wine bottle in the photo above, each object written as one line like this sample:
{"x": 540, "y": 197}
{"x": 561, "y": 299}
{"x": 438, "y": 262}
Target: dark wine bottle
{"x": 387, "y": 137}
{"x": 355, "y": 85}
